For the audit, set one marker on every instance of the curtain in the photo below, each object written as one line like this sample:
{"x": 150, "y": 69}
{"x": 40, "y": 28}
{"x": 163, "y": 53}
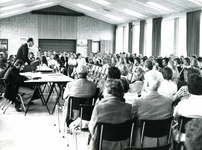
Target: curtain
{"x": 130, "y": 36}
{"x": 193, "y": 32}
{"x": 89, "y": 47}
{"x": 156, "y": 36}
{"x": 114, "y": 42}
{"x": 106, "y": 46}
{"x": 142, "y": 36}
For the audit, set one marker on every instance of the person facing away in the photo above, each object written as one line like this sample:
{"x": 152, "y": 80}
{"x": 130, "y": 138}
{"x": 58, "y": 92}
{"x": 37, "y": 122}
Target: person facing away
{"x": 23, "y": 51}
{"x": 80, "y": 87}
{"x": 15, "y": 84}
{"x": 111, "y": 109}
{"x": 151, "y": 106}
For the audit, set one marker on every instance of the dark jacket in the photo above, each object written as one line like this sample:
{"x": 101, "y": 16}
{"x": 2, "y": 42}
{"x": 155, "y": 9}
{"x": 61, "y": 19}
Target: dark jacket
{"x": 14, "y": 80}
{"x": 23, "y": 53}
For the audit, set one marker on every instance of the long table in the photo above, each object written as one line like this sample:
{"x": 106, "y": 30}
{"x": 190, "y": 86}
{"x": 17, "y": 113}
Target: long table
{"x": 43, "y": 78}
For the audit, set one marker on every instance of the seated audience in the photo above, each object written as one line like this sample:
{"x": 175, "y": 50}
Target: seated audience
{"x": 151, "y": 106}
{"x": 193, "y": 140}
{"x": 16, "y": 84}
{"x": 110, "y": 110}
{"x": 167, "y": 88}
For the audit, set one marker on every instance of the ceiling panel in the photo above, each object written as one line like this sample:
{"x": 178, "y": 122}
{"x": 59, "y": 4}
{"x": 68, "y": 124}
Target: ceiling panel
{"x": 147, "y": 8}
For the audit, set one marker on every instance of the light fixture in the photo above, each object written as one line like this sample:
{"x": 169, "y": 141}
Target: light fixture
{"x": 113, "y": 17}
{"x": 102, "y": 2}
{"x": 8, "y": 13}
{"x": 196, "y": 2}
{"x": 11, "y": 7}
{"x": 133, "y": 13}
{"x": 158, "y": 6}
{"x": 43, "y": 5}
{"x": 85, "y": 7}
{"x": 4, "y": 1}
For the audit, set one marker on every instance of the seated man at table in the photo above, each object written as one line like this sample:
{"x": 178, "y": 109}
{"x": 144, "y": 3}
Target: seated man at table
{"x": 80, "y": 87}
{"x": 15, "y": 84}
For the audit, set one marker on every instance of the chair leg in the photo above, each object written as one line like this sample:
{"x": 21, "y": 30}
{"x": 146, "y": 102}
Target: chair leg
{"x": 55, "y": 114}
{"x": 3, "y": 104}
{"x": 23, "y": 105}
{"x": 7, "y": 107}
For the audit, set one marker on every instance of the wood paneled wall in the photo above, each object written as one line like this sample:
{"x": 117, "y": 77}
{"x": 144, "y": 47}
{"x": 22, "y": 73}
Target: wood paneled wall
{"x": 57, "y": 27}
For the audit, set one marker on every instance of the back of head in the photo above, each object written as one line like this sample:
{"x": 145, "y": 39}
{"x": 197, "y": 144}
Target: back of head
{"x": 167, "y": 73}
{"x": 114, "y": 87}
{"x": 114, "y": 73}
{"x": 194, "y": 134}
{"x": 125, "y": 84}
{"x": 148, "y": 64}
{"x": 81, "y": 71}
{"x": 153, "y": 78}
{"x": 30, "y": 40}
{"x": 195, "y": 84}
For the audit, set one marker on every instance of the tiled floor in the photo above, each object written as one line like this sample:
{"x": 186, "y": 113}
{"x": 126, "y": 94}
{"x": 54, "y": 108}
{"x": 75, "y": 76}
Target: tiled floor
{"x": 35, "y": 131}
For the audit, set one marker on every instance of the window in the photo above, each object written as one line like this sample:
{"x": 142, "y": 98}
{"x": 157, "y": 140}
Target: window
{"x": 119, "y": 40}
{"x": 182, "y": 37}
{"x": 167, "y": 37}
{"x": 125, "y": 39}
{"x": 136, "y": 36}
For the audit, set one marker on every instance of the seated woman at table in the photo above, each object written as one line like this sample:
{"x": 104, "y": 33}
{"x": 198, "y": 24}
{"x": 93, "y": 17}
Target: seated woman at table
{"x": 110, "y": 107}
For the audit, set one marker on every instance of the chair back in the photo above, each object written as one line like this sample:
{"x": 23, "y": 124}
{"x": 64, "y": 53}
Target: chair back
{"x": 115, "y": 132}
{"x": 165, "y": 147}
{"x": 86, "y": 111}
{"x": 74, "y": 103}
{"x": 182, "y": 121}
{"x": 156, "y": 128}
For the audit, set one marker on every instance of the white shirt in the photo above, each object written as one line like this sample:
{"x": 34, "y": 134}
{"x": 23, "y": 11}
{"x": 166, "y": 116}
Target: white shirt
{"x": 190, "y": 107}
{"x": 167, "y": 88}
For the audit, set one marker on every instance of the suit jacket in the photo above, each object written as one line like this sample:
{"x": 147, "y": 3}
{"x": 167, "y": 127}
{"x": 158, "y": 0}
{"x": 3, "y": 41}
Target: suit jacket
{"x": 109, "y": 110}
{"x": 23, "y": 53}
{"x": 14, "y": 80}
{"x": 80, "y": 88}
{"x": 151, "y": 106}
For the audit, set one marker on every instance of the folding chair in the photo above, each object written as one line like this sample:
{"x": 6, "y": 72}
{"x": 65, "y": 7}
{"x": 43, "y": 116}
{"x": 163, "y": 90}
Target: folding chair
{"x": 115, "y": 132}
{"x": 165, "y": 147}
{"x": 156, "y": 129}
{"x": 74, "y": 104}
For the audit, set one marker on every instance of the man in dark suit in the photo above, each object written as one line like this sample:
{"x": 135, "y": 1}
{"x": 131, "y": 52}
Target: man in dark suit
{"x": 15, "y": 84}
{"x": 24, "y": 50}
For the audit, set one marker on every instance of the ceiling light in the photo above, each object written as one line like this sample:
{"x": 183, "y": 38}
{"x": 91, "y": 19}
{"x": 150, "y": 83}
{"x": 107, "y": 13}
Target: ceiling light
{"x": 11, "y": 7}
{"x": 8, "y": 13}
{"x": 102, "y": 2}
{"x": 196, "y": 2}
{"x": 43, "y": 5}
{"x": 158, "y": 6}
{"x": 4, "y": 1}
{"x": 133, "y": 13}
{"x": 113, "y": 17}
{"x": 85, "y": 7}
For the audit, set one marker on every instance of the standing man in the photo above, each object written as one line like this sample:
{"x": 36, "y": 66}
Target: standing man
{"x": 24, "y": 50}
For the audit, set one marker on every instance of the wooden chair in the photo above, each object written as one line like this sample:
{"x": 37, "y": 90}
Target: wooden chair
{"x": 165, "y": 147}
{"x": 156, "y": 129}
{"x": 115, "y": 132}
